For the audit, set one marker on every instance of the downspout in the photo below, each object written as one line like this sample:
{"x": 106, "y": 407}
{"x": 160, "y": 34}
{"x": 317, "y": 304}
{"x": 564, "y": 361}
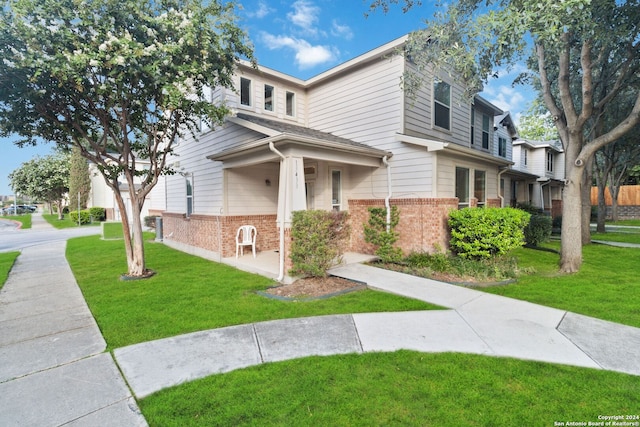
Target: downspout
{"x": 387, "y": 200}
{"x": 282, "y": 217}
{"x": 500, "y": 196}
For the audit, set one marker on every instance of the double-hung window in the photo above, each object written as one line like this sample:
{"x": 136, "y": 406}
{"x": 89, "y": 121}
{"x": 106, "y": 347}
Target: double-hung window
{"x": 336, "y": 189}
{"x": 462, "y": 187}
{"x": 442, "y": 104}
{"x": 473, "y": 126}
{"x": 290, "y": 106}
{"x": 486, "y": 123}
{"x": 502, "y": 146}
{"x": 189, "y": 192}
{"x": 268, "y": 97}
{"x": 245, "y": 91}
{"x": 549, "y": 161}
{"x": 479, "y": 187}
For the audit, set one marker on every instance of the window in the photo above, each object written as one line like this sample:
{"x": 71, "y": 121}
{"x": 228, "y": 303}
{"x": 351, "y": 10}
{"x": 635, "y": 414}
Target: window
{"x": 479, "y": 187}
{"x": 502, "y": 146}
{"x": 486, "y": 123}
{"x": 245, "y": 91}
{"x": 442, "y": 105}
{"x": 189, "y": 186}
{"x": 462, "y": 187}
{"x": 525, "y": 153}
{"x": 473, "y": 126}
{"x": 336, "y": 190}
{"x": 549, "y": 161}
{"x": 268, "y": 97}
{"x": 291, "y": 98}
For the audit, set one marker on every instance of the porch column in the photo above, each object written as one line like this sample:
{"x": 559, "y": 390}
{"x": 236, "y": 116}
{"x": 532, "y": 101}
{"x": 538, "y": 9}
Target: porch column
{"x": 291, "y": 191}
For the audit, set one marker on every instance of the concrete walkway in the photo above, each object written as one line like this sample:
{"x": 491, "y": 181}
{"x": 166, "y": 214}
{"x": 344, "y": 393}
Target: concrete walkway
{"x": 54, "y": 371}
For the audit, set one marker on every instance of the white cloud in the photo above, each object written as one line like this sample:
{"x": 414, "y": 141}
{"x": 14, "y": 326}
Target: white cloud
{"x": 343, "y": 31}
{"x": 263, "y": 10}
{"x": 306, "y": 55}
{"x": 305, "y": 16}
{"x": 506, "y": 98}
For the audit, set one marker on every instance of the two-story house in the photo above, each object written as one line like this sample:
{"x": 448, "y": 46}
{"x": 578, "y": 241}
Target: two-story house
{"x": 545, "y": 160}
{"x": 347, "y": 139}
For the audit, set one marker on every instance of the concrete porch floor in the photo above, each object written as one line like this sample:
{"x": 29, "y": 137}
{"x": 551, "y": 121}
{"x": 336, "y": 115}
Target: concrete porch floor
{"x": 267, "y": 263}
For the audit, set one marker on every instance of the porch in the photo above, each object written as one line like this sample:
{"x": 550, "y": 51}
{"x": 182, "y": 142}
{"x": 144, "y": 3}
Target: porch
{"x": 267, "y": 263}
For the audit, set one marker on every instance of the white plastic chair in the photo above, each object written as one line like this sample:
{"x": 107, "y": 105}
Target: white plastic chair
{"x": 246, "y": 236}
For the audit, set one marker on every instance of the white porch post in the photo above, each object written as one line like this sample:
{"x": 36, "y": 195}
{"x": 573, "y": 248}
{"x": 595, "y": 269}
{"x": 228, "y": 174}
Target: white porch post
{"x": 291, "y": 190}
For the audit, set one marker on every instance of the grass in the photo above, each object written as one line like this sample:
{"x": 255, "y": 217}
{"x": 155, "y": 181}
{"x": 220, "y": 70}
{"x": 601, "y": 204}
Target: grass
{"x": 112, "y": 230}
{"x": 25, "y": 219}
{"x": 627, "y": 222}
{"x": 401, "y": 388}
{"x": 64, "y": 223}
{"x": 607, "y": 285}
{"x": 191, "y": 294}
{"x": 7, "y": 259}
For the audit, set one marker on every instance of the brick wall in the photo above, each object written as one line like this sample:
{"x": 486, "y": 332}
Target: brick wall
{"x": 556, "y": 208}
{"x": 422, "y": 225}
{"x": 218, "y": 233}
{"x": 625, "y": 212}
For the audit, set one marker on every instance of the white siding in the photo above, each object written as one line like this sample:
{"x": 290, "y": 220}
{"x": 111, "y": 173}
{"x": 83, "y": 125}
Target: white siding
{"x": 252, "y": 190}
{"x": 366, "y": 106}
{"x": 447, "y": 176}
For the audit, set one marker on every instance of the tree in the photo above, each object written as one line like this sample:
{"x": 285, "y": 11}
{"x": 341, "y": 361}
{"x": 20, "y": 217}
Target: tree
{"x": 79, "y": 179}
{"x": 43, "y": 178}
{"x": 472, "y": 38}
{"x": 119, "y": 80}
{"x": 537, "y": 126}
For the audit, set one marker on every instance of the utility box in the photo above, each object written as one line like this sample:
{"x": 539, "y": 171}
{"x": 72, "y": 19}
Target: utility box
{"x": 159, "y": 229}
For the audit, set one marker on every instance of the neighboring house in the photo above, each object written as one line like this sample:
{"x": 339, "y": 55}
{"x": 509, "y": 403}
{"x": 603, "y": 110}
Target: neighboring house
{"x": 347, "y": 139}
{"x": 545, "y": 160}
{"x": 102, "y": 196}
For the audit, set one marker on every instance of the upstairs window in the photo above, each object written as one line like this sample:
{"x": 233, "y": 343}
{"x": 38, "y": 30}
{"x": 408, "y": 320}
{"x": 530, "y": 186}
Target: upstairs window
{"x": 549, "y": 161}
{"x": 442, "y": 104}
{"x": 291, "y": 104}
{"x": 502, "y": 147}
{"x": 473, "y": 126}
{"x": 245, "y": 91}
{"x": 268, "y": 97}
{"x": 486, "y": 123}
{"x": 525, "y": 155}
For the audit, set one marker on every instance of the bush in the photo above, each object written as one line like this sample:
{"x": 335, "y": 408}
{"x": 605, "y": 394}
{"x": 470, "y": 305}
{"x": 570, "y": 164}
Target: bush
{"x": 376, "y": 233}
{"x": 317, "y": 241}
{"x": 98, "y": 214}
{"x": 538, "y": 230}
{"x": 85, "y": 217}
{"x": 478, "y": 233}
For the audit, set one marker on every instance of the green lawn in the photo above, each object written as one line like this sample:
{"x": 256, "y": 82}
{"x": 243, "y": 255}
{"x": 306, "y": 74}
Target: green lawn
{"x": 25, "y": 219}
{"x": 191, "y": 294}
{"x": 401, "y": 388}
{"x": 65, "y": 222}
{"x": 607, "y": 286}
{"x": 397, "y": 389}
{"x": 628, "y": 222}
{"x": 6, "y": 263}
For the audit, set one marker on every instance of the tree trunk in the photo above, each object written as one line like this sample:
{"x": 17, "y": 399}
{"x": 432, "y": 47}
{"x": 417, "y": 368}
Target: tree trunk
{"x": 602, "y": 207}
{"x": 571, "y": 251}
{"x": 586, "y": 202}
{"x": 133, "y": 241}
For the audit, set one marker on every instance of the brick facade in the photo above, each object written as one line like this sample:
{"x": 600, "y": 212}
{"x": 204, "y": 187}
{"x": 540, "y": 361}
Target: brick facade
{"x": 218, "y": 233}
{"x": 422, "y": 226}
{"x": 556, "y": 208}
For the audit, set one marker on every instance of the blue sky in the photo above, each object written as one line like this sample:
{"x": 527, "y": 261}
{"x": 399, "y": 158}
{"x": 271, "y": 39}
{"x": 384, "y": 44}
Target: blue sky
{"x": 306, "y": 37}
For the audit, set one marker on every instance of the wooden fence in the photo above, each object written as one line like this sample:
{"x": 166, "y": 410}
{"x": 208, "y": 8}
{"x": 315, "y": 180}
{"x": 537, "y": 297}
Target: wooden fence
{"x": 629, "y": 196}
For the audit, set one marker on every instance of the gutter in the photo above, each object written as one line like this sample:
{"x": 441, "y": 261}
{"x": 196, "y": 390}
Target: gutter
{"x": 282, "y": 217}
{"x": 387, "y": 200}
{"x": 542, "y": 184}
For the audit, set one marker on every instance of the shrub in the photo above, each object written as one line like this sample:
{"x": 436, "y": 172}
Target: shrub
{"x": 317, "y": 241}
{"x": 478, "y": 233}
{"x": 85, "y": 217}
{"x": 98, "y": 214}
{"x": 376, "y": 233}
{"x": 538, "y": 230}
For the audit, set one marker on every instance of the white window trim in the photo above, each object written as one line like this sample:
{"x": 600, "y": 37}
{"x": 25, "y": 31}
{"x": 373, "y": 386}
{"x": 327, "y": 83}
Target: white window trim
{"x": 273, "y": 99}
{"x": 188, "y": 180}
{"x": 250, "y": 93}
{"x": 293, "y": 105}
{"x": 340, "y": 190}
{"x": 433, "y": 91}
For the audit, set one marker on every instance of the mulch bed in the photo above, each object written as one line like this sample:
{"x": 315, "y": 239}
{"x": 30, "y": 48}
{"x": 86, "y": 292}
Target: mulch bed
{"x": 314, "y": 287}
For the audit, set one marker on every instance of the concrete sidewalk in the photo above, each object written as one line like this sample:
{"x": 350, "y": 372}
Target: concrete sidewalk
{"x": 53, "y": 369}
{"x": 476, "y": 323}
